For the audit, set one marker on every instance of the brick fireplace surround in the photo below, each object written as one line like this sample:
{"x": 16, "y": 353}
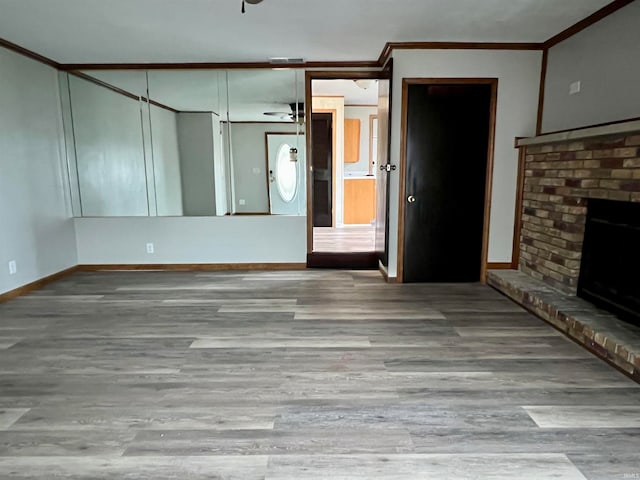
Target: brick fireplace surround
{"x": 561, "y": 172}
{"x": 558, "y": 180}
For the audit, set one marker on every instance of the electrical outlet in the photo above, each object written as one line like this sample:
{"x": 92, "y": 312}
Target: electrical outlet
{"x": 13, "y": 267}
{"x": 150, "y": 248}
{"x": 242, "y": 201}
{"x": 575, "y": 87}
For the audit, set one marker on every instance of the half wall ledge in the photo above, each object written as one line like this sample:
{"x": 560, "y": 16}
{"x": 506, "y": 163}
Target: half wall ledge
{"x": 600, "y": 332}
{"x": 616, "y": 128}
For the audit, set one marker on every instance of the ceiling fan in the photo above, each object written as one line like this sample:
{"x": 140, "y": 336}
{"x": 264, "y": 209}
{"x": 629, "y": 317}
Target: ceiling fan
{"x": 250, "y": 2}
{"x": 296, "y": 114}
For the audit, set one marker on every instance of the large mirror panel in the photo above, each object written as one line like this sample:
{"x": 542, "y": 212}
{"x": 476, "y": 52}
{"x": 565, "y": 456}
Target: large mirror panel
{"x": 108, "y": 125}
{"x": 189, "y": 154}
{"x": 263, "y": 102}
{"x": 182, "y": 142}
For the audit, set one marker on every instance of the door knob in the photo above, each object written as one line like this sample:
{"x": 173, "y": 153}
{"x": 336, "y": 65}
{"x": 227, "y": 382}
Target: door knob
{"x": 411, "y": 199}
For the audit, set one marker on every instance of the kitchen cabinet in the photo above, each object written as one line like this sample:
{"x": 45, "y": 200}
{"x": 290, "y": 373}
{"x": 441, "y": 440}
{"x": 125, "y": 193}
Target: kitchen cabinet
{"x": 351, "y": 140}
{"x": 359, "y": 200}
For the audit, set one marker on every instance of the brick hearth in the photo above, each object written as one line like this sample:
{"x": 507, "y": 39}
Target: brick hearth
{"x": 602, "y": 333}
{"x": 562, "y": 172}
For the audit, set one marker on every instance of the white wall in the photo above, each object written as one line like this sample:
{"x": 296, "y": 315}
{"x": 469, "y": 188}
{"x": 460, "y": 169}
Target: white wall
{"x": 363, "y": 114}
{"x": 249, "y": 153}
{"x": 37, "y": 231}
{"x": 166, "y": 162}
{"x": 604, "y": 58}
{"x": 243, "y": 239}
{"x": 220, "y": 169}
{"x": 518, "y": 73}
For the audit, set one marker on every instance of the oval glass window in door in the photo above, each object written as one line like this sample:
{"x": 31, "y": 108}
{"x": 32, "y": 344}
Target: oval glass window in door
{"x": 286, "y": 174}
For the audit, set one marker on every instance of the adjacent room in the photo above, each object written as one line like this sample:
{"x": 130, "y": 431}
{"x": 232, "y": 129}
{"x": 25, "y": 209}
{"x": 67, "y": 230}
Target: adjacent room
{"x": 278, "y": 240}
{"x": 344, "y": 112}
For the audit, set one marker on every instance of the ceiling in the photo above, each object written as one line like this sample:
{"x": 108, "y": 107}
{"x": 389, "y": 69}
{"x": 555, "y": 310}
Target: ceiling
{"x": 352, "y": 93}
{"x": 159, "y": 31}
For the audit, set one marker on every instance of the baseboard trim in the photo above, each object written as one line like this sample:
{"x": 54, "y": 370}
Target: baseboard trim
{"x": 185, "y": 267}
{"x": 500, "y": 266}
{"x": 385, "y": 274}
{"x": 38, "y": 284}
{"x": 383, "y": 271}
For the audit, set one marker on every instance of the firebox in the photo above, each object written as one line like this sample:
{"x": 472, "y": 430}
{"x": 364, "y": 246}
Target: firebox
{"x": 610, "y": 265}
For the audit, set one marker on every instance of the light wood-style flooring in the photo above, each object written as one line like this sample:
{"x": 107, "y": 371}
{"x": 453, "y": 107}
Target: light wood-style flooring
{"x": 345, "y": 239}
{"x": 300, "y": 375}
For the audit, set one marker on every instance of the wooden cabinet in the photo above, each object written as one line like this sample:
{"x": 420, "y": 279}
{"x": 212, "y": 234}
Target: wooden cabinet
{"x": 351, "y": 140}
{"x": 359, "y": 201}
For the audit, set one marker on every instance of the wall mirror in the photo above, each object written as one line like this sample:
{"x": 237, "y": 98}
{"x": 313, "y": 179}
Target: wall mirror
{"x": 263, "y": 102}
{"x": 181, "y": 142}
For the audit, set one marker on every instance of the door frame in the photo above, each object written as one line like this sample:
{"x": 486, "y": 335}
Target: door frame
{"x": 311, "y": 75}
{"x": 406, "y": 82}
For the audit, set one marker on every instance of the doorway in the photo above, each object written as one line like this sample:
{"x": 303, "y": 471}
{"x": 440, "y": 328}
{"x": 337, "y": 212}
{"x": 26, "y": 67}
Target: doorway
{"x": 344, "y": 144}
{"x": 446, "y": 171}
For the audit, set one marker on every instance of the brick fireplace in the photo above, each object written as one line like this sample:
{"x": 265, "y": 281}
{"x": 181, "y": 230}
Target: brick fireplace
{"x": 561, "y": 173}
{"x": 559, "y": 178}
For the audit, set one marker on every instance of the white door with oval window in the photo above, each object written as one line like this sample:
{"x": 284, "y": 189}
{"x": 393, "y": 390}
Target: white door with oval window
{"x": 287, "y": 188}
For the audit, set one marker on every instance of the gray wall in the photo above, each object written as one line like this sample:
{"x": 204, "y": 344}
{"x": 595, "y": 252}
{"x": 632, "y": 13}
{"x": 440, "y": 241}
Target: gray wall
{"x": 242, "y": 239}
{"x": 605, "y": 59}
{"x": 249, "y": 155}
{"x": 37, "y": 229}
{"x": 196, "y": 141}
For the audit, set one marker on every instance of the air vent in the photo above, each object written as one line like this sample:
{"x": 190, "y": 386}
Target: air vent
{"x": 285, "y": 60}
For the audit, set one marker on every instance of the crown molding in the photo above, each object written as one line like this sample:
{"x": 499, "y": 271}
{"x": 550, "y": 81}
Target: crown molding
{"x": 28, "y": 53}
{"x": 586, "y": 22}
{"x": 391, "y": 46}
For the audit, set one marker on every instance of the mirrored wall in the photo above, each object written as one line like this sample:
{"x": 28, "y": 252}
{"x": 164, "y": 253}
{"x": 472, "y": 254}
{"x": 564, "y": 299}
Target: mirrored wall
{"x": 185, "y": 142}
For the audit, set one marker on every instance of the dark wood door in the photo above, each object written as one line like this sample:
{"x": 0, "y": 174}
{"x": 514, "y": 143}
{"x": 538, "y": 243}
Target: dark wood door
{"x": 322, "y": 173}
{"x": 446, "y": 164}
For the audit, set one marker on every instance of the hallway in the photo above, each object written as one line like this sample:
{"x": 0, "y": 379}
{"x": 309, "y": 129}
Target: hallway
{"x": 300, "y": 375}
{"x": 345, "y": 239}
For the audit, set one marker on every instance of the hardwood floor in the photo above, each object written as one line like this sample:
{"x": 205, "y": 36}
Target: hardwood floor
{"x": 348, "y": 238}
{"x": 300, "y": 375}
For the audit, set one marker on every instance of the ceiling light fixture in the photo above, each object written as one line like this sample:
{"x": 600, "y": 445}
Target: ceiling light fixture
{"x": 364, "y": 84}
{"x": 250, "y": 2}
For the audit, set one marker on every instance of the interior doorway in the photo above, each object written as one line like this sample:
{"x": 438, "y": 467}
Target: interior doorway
{"x": 344, "y": 149}
{"x": 446, "y": 171}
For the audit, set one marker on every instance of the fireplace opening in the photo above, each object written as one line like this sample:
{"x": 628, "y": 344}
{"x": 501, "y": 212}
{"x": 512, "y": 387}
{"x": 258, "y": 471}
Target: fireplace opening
{"x": 610, "y": 265}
